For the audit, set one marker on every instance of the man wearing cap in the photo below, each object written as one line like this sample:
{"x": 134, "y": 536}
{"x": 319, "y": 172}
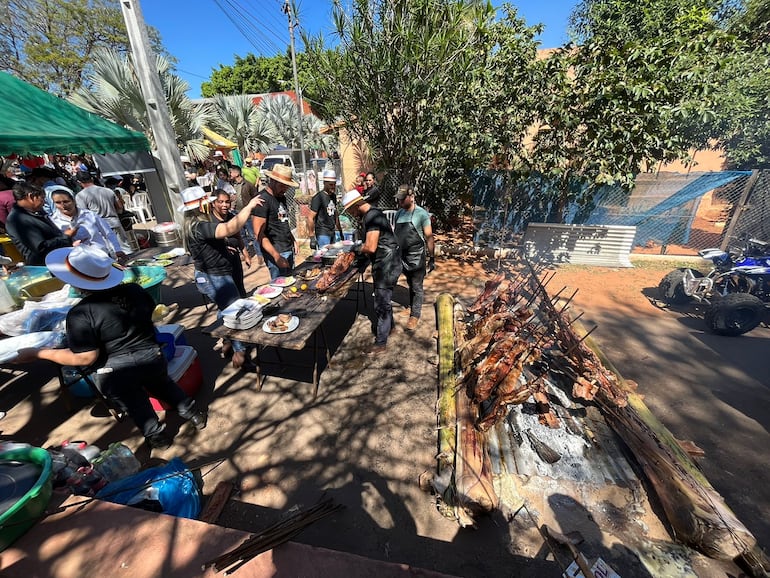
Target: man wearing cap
{"x": 271, "y": 223}
{"x": 250, "y": 172}
{"x": 381, "y": 247}
{"x": 415, "y": 237}
{"x": 323, "y": 211}
{"x": 30, "y": 229}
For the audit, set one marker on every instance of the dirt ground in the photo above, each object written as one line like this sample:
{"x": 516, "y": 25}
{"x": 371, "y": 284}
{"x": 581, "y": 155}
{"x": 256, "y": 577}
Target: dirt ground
{"x": 372, "y": 430}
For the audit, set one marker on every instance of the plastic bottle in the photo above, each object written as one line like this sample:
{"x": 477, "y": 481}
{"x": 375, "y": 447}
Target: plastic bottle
{"x": 117, "y": 462}
{"x": 89, "y": 452}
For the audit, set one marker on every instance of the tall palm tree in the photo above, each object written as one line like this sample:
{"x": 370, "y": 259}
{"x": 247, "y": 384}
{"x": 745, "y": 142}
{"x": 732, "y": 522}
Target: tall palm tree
{"x": 237, "y": 118}
{"x": 281, "y": 112}
{"x": 117, "y": 95}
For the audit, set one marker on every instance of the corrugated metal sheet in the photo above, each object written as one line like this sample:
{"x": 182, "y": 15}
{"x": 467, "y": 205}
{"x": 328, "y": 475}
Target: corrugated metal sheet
{"x": 602, "y": 245}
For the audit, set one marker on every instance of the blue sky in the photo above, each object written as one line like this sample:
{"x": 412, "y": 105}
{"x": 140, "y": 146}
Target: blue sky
{"x": 202, "y": 34}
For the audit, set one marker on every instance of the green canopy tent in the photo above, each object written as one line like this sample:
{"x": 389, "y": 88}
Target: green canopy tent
{"x": 34, "y": 122}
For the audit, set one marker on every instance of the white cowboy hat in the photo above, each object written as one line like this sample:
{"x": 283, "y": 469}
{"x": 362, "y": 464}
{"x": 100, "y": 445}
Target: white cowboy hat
{"x": 282, "y": 174}
{"x": 193, "y": 198}
{"x": 329, "y": 175}
{"x": 351, "y": 198}
{"x": 84, "y": 267}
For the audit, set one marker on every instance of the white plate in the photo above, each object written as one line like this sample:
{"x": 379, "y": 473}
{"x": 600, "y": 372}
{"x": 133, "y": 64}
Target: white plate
{"x": 283, "y": 281}
{"x": 9, "y": 347}
{"x": 293, "y": 324}
{"x": 268, "y": 291}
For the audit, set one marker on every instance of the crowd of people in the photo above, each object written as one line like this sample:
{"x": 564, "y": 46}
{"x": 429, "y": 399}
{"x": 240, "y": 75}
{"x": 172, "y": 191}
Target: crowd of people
{"x": 86, "y": 212}
{"x": 225, "y": 207}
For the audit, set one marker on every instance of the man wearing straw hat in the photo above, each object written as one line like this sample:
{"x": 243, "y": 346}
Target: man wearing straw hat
{"x": 271, "y": 223}
{"x": 323, "y": 211}
{"x": 111, "y": 333}
{"x": 381, "y": 246}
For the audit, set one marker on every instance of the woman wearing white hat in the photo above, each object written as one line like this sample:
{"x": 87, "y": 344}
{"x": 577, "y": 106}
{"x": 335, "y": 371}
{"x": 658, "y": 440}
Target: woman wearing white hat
{"x": 110, "y": 332}
{"x": 206, "y": 241}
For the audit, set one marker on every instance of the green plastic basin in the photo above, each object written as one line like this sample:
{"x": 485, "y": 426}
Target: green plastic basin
{"x": 30, "y": 507}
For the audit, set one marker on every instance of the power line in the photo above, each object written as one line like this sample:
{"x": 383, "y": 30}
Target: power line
{"x": 262, "y": 45}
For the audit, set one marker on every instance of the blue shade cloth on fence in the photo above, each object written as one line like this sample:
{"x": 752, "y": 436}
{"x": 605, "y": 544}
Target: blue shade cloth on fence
{"x": 663, "y": 229}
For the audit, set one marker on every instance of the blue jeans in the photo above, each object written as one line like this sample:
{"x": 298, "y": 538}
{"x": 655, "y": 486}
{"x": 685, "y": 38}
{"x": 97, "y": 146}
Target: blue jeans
{"x": 221, "y": 289}
{"x": 127, "y": 378}
{"x": 323, "y": 240}
{"x": 274, "y": 270}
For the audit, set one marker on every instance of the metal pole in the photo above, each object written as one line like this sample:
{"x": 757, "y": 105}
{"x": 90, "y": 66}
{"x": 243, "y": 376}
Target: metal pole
{"x": 289, "y": 10}
{"x": 157, "y": 109}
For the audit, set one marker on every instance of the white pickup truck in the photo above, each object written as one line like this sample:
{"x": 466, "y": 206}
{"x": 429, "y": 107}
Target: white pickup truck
{"x": 287, "y": 158}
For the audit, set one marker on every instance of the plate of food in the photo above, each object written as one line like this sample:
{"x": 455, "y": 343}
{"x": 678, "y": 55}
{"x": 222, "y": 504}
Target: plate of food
{"x": 310, "y": 274}
{"x": 151, "y": 262}
{"x": 261, "y": 299}
{"x": 268, "y": 291}
{"x": 178, "y": 252}
{"x": 283, "y": 323}
{"x": 283, "y": 281}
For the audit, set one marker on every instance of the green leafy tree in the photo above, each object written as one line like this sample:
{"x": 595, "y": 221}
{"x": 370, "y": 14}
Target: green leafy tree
{"x": 249, "y": 75}
{"x": 636, "y": 91}
{"x": 117, "y": 95}
{"x": 261, "y": 75}
{"x": 743, "y": 87}
{"x": 52, "y": 43}
{"x": 431, "y": 86}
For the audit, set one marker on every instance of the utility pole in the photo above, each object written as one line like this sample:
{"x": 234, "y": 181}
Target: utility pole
{"x": 289, "y": 10}
{"x": 157, "y": 108}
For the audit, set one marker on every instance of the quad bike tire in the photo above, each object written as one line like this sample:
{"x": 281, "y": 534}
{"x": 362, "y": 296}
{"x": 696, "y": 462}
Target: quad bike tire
{"x": 734, "y": 314}
{"x": 671, "y": 287}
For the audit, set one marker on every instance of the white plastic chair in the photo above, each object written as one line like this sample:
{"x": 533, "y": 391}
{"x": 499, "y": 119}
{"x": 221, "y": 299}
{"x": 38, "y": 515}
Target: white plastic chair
{"x": 142, "y": 207}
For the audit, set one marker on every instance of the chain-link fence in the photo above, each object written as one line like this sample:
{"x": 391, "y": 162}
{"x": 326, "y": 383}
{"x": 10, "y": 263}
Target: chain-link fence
{"x": 674, "y": 214}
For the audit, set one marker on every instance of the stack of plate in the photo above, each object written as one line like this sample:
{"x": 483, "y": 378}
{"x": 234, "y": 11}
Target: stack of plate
{"x": 242, "y": 314}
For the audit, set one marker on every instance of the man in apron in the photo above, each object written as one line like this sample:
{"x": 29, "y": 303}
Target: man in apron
{"x": 415, "y": 237}
{"x": 381, "y": 247}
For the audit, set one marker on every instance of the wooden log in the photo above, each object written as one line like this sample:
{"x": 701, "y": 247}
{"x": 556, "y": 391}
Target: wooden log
{"x": 473, "y": 470}
{"x": 217, "y": 502}
{"x": 447, "y": 384}
{"x": 696, "y": 511}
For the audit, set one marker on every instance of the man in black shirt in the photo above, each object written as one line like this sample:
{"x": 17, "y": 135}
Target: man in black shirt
{"x": 381, "y": 246}
{"x": 30, "y": 229}
{"x": 110, "y": 332}
{"x": 271, "y": 223}
{"x": 323, "y": 211}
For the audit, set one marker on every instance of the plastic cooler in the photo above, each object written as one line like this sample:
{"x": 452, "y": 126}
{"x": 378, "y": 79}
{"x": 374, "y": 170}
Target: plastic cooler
{"x": 185, "y": 369}
{"x": 174, "y": 329}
